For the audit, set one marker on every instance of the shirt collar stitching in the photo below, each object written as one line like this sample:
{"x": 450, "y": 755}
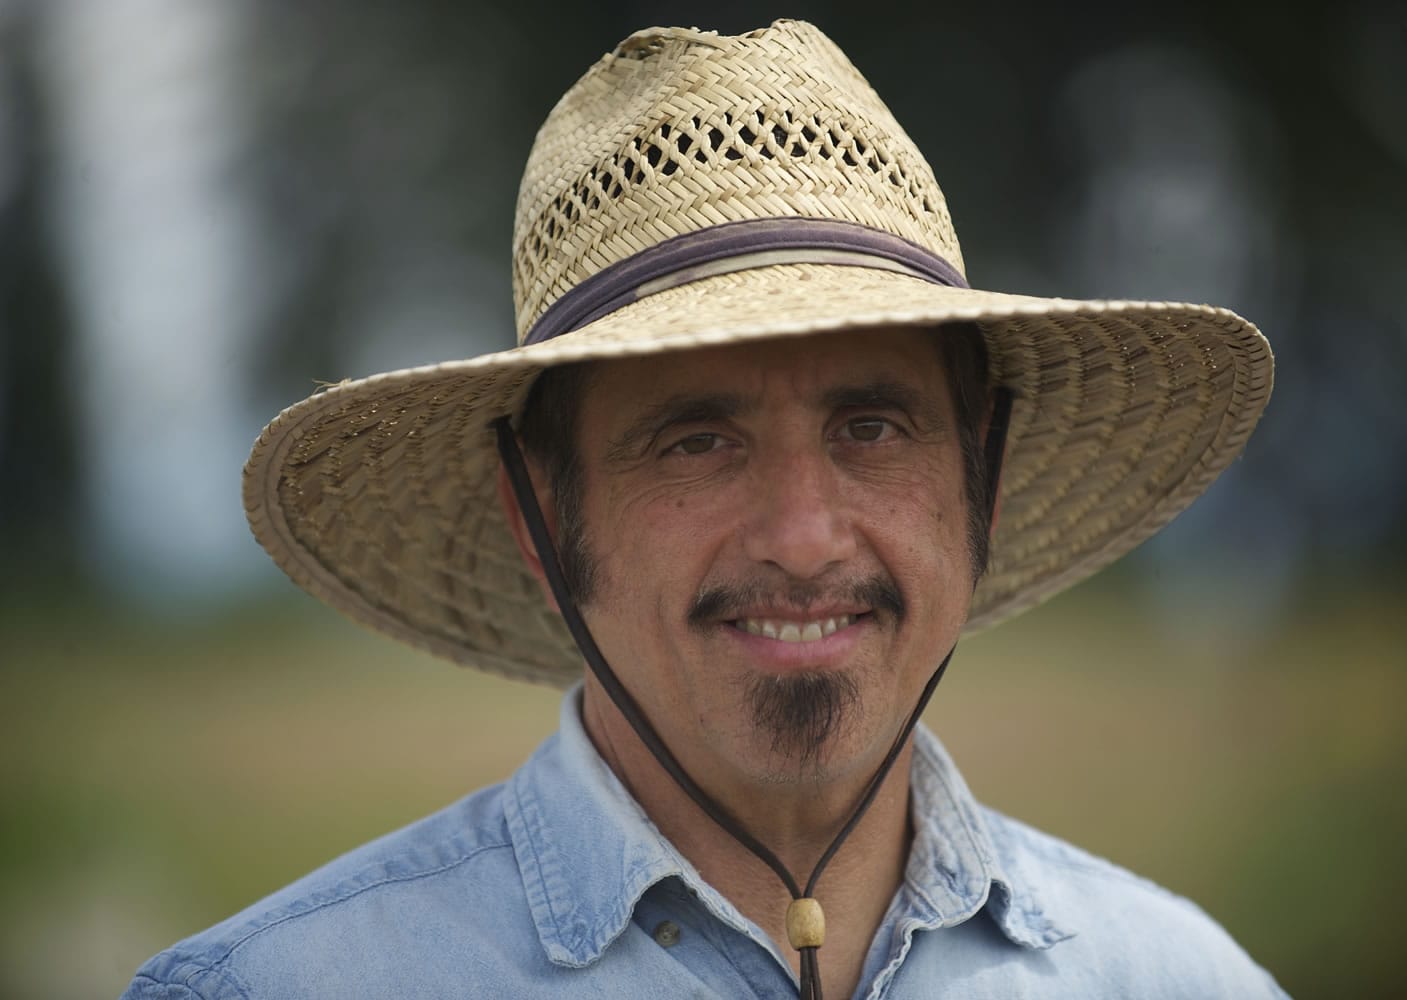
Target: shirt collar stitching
{"x": 1018, "y": 914}
{"x": 558, "y": 906}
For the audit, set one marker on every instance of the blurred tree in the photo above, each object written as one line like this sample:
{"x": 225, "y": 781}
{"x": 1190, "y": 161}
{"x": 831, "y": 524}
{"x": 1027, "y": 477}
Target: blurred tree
{"x": 38, "y": 498}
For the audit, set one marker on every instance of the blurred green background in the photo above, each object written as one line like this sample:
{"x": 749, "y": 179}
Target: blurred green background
{"x": 206, "y": 208}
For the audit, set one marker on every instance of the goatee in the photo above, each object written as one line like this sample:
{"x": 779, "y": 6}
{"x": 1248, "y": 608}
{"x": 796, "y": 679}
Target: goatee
{"x": 802, "y": 713}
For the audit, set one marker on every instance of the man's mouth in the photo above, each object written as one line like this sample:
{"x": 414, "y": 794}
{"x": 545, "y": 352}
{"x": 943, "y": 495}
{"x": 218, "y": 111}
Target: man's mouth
{"x": 795, "y": 631}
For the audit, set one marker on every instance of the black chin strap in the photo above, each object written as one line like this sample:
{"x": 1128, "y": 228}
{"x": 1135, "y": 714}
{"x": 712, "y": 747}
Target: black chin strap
{"x": 805, "y": 920}
{"x": 994, "y": 448}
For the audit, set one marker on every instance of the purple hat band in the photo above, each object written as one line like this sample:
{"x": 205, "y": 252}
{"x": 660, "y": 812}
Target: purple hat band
{"x": 736, "y": 246}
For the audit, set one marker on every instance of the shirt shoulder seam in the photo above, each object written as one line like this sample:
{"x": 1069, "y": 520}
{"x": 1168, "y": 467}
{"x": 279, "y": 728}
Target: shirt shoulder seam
{"x": 351, "y": 893}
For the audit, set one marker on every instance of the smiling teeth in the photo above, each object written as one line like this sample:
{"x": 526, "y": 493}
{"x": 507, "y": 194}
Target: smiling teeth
{"x": 793, "y": 631}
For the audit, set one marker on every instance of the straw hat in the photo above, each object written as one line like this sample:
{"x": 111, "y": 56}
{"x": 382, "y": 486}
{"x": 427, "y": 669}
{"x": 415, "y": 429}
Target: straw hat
{"x": 694, "y": 189}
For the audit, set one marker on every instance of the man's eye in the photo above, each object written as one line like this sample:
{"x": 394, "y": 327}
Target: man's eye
{"x": 866, "y": 428}
{"x": 696, "y": 444}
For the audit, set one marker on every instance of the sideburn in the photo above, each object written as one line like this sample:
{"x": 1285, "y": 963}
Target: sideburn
{"x": 546, "y": 429}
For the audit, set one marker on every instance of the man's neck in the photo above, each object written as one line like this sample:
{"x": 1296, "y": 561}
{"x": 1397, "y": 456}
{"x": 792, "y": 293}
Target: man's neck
{"x": 797, "y": 823}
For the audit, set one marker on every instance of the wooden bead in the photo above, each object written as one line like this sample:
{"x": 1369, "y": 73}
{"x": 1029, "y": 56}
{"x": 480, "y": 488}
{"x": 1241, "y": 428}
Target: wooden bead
{"x": 806, "y": 924}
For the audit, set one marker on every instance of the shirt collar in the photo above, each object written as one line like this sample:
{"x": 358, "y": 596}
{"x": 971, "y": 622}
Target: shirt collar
{"x": 587, "y": 851}
{"x": 956, "y": 867}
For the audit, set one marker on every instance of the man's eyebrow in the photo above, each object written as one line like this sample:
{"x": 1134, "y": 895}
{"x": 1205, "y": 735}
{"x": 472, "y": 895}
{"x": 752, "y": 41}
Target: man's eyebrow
{"x": 684, "y": 408}
{"x": 925, "y": 407}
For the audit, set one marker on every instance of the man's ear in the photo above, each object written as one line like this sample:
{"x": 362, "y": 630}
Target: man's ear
{"x": 518, "y": 525}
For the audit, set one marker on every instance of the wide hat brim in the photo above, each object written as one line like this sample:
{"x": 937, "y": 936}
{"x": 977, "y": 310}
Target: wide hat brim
{"x": 378, "y": 495}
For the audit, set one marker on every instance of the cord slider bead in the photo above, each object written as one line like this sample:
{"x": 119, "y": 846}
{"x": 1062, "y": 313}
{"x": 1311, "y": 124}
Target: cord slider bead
{"x": 806, "y": 923}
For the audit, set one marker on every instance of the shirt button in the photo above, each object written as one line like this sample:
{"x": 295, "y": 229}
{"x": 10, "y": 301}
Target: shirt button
{"x": 667, "y": 934}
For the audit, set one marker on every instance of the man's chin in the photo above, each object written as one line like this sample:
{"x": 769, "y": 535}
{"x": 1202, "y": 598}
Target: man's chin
{"x": 784, "y": 770}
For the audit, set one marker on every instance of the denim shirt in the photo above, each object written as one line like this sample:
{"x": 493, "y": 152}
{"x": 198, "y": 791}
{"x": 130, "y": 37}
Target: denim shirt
{"x": 557, "y": 884}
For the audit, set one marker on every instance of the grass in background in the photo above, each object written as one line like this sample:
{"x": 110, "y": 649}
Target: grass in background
{"x": 158, "y": 778}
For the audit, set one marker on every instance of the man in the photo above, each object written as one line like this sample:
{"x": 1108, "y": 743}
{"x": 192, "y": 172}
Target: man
{"x": 764, "y": 456}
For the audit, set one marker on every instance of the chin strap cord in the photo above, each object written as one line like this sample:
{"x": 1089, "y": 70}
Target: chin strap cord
{"x": 806, "y": 924}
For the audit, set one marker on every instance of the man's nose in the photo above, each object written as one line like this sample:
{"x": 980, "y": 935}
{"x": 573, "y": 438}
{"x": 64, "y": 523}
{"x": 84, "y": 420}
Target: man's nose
{"x": 798, "y": 518}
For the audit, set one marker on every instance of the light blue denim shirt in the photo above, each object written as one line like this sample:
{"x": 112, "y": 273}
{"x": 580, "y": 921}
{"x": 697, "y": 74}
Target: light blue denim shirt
{"x": 556, "y": 884}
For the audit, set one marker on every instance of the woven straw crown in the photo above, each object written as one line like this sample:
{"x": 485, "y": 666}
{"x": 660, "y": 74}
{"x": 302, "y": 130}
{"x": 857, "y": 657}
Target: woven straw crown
{"x": 378, "y": 495}
{"x": 681, "y": 130}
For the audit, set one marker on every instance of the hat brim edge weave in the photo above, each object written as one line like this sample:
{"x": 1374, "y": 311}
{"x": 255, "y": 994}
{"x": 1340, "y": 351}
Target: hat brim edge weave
{"x": 269, "y": 461}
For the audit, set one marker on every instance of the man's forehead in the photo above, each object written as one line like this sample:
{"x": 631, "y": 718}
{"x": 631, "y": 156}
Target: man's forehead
{"x": 632, "y": 401}
{"x": 825, "y": 370}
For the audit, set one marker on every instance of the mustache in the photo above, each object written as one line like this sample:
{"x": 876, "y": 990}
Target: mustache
{"x": 726, "y": 601}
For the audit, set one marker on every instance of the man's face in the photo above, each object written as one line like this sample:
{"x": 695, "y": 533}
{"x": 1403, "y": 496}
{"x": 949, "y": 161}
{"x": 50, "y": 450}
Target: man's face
{"x": 778, "y": 532}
